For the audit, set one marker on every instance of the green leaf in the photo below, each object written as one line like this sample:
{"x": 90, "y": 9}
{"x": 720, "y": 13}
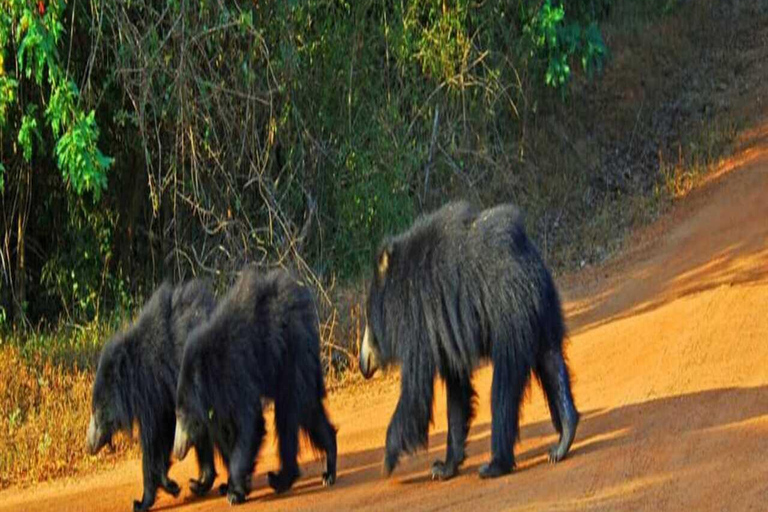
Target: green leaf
{"x": 80, "y": 161}
{"x": 62, "y": 105}
{"x": 27, "y": 130}
{"x": 8, "y": 87}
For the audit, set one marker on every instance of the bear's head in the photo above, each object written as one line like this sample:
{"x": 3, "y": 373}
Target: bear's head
{"x": 191, "y": 416}
{"x": 375, "y": 351}
{"x": 110, "y": 403}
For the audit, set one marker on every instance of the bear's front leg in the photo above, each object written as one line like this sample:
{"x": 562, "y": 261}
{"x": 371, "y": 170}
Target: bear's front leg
{"x": 150, "y": 468}
{"x": 393, "y": 450}
{"x": 207, "y": 469}
{"x": 409, "y": 429}
{"x": 241, "y": 463}
{"x": 148, "y": 499}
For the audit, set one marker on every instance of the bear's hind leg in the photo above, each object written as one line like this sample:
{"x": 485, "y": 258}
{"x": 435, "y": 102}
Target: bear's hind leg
{"x": 322, "y": 435}
{"x": 556, "y": 382}
{"x": 550, "y": 392}
{"x": 460, "y": 414}
{"x": 287, "y": 425}
{"x": 162, "y": 454}
{"x": 510, "y": 375}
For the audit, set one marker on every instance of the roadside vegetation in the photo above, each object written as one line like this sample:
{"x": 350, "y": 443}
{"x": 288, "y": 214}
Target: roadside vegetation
{"x": 147, "y": 140}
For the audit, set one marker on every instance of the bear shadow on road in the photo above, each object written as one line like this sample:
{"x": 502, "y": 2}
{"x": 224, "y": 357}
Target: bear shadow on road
{"x": 599, "y": 430}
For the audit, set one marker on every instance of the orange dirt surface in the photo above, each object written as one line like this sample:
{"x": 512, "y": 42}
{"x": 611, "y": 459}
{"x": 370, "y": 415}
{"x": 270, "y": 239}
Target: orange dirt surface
{"x": 669, "y": 346}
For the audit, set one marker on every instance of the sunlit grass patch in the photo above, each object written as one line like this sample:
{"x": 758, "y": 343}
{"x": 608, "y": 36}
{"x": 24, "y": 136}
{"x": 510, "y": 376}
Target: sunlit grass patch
{"x": 44, "y": 411}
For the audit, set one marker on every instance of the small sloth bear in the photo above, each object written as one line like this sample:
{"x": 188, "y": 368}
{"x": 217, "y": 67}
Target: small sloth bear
{"x": 460, "y": 287}
{"x": 136, "y": 381}
{"x": 261, "y": 342}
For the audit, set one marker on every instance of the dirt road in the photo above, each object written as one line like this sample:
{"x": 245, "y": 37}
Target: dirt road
{"x": 670, "y": 349}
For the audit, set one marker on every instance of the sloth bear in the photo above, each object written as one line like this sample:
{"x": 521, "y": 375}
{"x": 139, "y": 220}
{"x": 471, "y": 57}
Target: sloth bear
{"x": 261, "y": 342}
{"x": 136, "y": 381}
{"x": 459, "y": 287}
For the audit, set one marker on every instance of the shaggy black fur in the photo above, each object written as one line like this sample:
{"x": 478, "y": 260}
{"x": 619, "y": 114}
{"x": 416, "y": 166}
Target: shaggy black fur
{"x": 462, "y": 286}
{"x": 136, "y": 381}
{"x": 261, "y": 342}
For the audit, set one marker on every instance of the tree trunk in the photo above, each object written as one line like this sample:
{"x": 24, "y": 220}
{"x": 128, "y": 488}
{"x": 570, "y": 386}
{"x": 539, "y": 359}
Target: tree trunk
{"x": 20, "y": 274}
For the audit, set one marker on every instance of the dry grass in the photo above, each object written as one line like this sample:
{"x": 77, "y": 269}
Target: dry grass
{"x": 703, "y": 155}
{"x": 341, "y": 334}
{"x": 44, "y": 413}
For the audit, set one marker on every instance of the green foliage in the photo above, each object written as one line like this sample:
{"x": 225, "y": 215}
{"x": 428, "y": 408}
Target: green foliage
{"x": 549, "y": 36}
{"x": 79, "y": 158}
{"x": 37, "y": 37}
{"x": 27, "y": 130}
{"x": 557, "y": 41}
{"x": 294, "y": 132}
{"x": 434, "y": 34}
{"x": 8, "y": 87}
{"x": 594, "y": 50}
{"x": 62, "y": 101}
{"x": 77, "y": 274}
{"x": 37, "y": 32}
{"x": 374, "y": 201}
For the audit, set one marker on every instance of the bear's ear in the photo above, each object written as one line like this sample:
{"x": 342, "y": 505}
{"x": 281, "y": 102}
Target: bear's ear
{"x": 382, "y": 262}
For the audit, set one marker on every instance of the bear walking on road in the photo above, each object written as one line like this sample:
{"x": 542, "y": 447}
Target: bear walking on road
{"x": 261, "y": 342}
{"x": 459, "y": 287}
{"x": 136, "y": 382}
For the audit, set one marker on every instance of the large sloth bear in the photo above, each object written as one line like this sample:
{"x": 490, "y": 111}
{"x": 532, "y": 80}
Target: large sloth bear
{"x": 136, "y": 381}
{"x": 462, "y": 286}
{"x": 261, "y": 342}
